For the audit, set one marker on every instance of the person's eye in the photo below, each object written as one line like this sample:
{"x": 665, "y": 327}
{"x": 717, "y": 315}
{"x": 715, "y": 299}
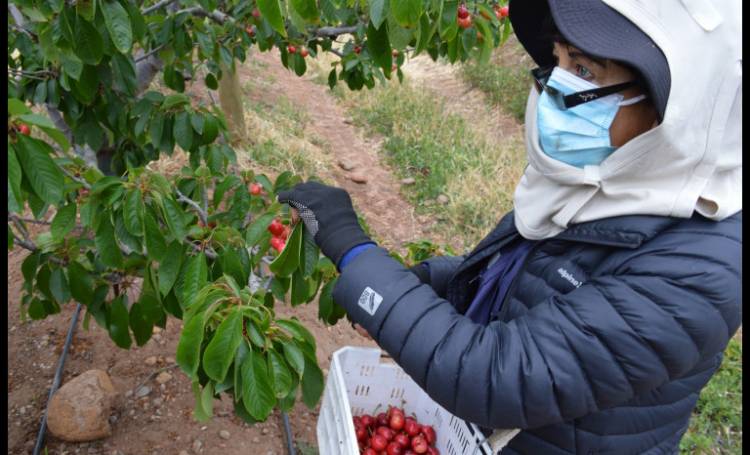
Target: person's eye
{"x": 583, "y": 72}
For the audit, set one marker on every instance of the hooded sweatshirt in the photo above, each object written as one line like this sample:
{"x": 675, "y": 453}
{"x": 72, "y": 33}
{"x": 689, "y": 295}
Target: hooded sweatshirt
{"x": 691, "y": 162}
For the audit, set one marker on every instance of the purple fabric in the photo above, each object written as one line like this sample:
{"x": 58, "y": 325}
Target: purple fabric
{"x": 352, "y": 253}
{"x": 495, "y": 281}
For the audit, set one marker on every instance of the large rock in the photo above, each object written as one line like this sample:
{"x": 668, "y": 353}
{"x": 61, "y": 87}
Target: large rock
{"x": 80, "y": 409}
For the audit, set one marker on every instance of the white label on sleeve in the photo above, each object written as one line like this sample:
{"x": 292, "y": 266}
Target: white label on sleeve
{"x": 370, "y": 300}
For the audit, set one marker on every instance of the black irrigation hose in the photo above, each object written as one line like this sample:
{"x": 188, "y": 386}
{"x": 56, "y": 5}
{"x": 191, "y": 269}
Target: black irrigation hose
{"x": 57, "y": 379}
{"x": 288, "y": 433}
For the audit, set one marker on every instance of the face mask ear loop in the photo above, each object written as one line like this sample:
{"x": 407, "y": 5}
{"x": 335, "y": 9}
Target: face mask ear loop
{"x": 632, "y": 100}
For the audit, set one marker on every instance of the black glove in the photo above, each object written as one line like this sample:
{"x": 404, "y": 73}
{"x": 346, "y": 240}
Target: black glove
{"x": 328, "y": 215}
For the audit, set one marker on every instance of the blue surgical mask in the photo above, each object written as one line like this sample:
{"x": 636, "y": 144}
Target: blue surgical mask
{"x": 578, "y": 136}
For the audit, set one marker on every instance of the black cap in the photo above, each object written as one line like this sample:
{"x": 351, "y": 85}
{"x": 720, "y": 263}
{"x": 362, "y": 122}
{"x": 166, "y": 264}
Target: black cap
{"x": 597, "y": 30}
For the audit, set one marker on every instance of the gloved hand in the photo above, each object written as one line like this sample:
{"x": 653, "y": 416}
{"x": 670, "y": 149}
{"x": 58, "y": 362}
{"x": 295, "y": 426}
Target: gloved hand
{"x": 328, "y": 215}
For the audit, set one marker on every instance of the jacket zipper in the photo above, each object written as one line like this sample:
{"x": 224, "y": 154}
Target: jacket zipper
{"x": 514, "y": 284}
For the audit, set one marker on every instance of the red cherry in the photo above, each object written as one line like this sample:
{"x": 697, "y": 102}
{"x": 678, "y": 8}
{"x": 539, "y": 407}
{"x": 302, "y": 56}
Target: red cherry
{"x": 397, "y": 421}
{"x": 367, "y": 421}
{"x": 369, "y": 451}
{"x": 378, "y": 442}
{"x": 278, "y": 244}
{"x": 418, "y": 444}
{"x": 409, "y": 452}
{"x": 402, "y": 439}
{"x": 432, "y": 451}
{"x": 24, "y": 129}
{"x": 276, "y": 228}
{"x": 463, "y": 12}
{"x": 394, "y": 448}
{"x": 256, "y": 13}
{"x": 411, "y": 427}
{"x": 385, "y": 432}
{"x": 429, "y": 434}
{"x": 291, "y": 49}
{"x": 382, "y": 419}
{"x": 504, "y": 11}
{"x": 250, "y": 31}
{"x": 356, "y": 420}
{"x": 285, "y": 235}
{"x": 255, "y": 189}
{"x": 357, "y": 49}
{"x": 464, "y": 22}
{"x": 304, "y": 52}
{"x": 361, "y": 434}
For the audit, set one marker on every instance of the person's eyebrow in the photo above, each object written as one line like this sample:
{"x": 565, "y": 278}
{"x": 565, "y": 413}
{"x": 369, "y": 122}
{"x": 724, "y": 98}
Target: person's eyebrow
{"x": 578, "y": 54}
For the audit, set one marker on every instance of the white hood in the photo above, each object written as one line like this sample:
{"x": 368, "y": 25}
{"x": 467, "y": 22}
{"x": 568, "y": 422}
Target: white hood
{"x": 691, "y": 162}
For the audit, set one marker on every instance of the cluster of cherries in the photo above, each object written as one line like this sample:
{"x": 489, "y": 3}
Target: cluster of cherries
{"x": 464, "y": 16}
{"x": 279, "y": 234}
{"x": 393, "y": 433}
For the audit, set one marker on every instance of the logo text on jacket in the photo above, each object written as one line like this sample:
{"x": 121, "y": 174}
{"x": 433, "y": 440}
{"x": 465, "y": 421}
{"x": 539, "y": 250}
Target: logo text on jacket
{"x": 569, "y": 277}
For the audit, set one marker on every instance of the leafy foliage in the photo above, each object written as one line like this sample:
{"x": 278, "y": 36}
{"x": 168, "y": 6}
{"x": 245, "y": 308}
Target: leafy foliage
{"x": 134, "y": 247}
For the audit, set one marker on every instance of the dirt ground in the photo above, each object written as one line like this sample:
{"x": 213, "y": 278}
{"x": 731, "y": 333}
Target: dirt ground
{"x": 161, "y": 422}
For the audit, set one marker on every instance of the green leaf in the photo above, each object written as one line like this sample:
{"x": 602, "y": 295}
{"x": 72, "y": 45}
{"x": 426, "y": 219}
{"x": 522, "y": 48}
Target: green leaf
{"x": 64, "y": 221}
{"x": 174, "y": 215}
{"x": 210, "y": 129}
{"x": 17, "y": 107}
{"x": 189, "y": 346}
{"x": 220, "y": 351}
{"x": 155, "y": 243}
{"x": 109, "y": 251}
{"x": 175, "y": 100}
{"x": 183, "y": 131}
{"x": 294, "y": 356}
{"x": 448, "y": 23}
{"x": 332, "y": 79}
{"x": 406, "y": 12}
{"x": 58, "y": 286}
{"x": 271, "y": 11}
{"x": 72, "y": 65}
{"x": 299, "y": 288}
{"x": 125, "y": 237}
{"x": 299, "y": 332}
{"x": 378, "y": 11}
{"x": 211, "y": 81}
{"x": 195, "y": 277}
{"x": 81, "y": 283}
{"x": 288, "y": 260}
{"x": 15, "y": 176}
{"x": 169, "y": 268}
{"x": 134, "y": 211}
{"x": 197, "y": 121}
{"x": 143, "y": 316}
{"x": 257, "y": 394}
{"x": 85, "y": 89}
{"x": 307, "y": 9}
{"x": 242, "y": 351}
{"x": 254, "y": 334}
{"x": 155, "y": 128}
{"x": 486, "y": 50}
{"x": 41, "y": 171}
{"x": 86, "y": 9}
{"x": 89, "y": 45}
{"x": 204, "y": 401}
{"x": 257, "y": 228}
{"x": 310, "y": 254}
{"x": 123, "y": 71}
{"x": 118, "y": 25}
{"x": 282, "y": 378}
{"x": 118, "y": 323}
{"x": 36, "y": 309}
{"x": 379, "y": 46}
{"x": 312, "y": 382}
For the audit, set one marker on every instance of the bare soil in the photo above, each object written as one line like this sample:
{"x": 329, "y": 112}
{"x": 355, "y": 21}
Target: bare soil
{"x": 162, "y": 422}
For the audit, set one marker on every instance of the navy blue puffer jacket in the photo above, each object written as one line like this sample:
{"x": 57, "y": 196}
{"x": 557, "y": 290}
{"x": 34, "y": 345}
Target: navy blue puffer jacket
{"x": 602, "y": 345}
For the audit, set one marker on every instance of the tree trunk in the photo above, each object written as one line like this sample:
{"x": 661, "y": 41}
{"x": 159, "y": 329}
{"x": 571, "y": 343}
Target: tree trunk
{"x": 230, "y": 99}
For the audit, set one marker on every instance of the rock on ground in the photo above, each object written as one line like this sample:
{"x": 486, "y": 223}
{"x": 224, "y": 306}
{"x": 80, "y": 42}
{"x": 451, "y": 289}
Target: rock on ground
{"x": 80, "y": 409}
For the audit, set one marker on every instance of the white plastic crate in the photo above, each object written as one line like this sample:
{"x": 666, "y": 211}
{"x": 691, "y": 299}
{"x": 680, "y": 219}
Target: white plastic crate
{"x": 358, "y": 382}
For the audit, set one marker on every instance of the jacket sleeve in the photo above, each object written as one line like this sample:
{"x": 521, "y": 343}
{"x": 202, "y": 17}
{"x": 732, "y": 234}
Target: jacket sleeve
{"x": 440, "y": 271}
{"x": 596, "y": 347}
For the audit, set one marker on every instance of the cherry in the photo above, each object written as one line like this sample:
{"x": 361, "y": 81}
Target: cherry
{"x": 408, "y": 452}
{"x": 464, "y": 22}
{"x": 356, "y": 420}
{"x": 369, "y": 451}
{"x": 394, "y": 52}
{"x": 394, "y": 448}
{"x": 411, "y": 427}
{"x": 367, "y": 421}
{"x": 397, "y": 421}
{"x": 256, "y": 13}
{"x": 418, "y": 444}
{"x": 285, "y": 235}
{"x": 278, "y": 244}
{"x": 429, "y": 434}
{"x": 385, "y": 432}
{"x": 291, "y": 49}
{"x": 255, "y": 189}
{"x": 276, "y": 228}
{"x": 250, "y": 31}
{"x": 382, "y": 419}
{"x": 304, "y": 52}
{"x": 357, "y": 49}
{"x": 463, "y": 11}
{"x": 24, "y": 129}
{"x": 212, "y": 224}
{"x": 361, "y": 434}
{"x": 402, "y": 439}
{"x": 504, "y": 12}
{"x": 378, "y": 442}
{"x": 432, "y": 451}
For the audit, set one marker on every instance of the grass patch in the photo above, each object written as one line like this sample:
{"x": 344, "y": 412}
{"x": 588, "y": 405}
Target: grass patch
{"x": 445, "y": 155}
{"x": 505, "y": 79}
{"x": 716, "y": 424}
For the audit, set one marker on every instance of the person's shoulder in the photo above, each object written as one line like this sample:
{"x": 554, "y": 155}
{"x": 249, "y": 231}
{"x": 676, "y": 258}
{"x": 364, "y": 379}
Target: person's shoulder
{"x": 729, "y": 228}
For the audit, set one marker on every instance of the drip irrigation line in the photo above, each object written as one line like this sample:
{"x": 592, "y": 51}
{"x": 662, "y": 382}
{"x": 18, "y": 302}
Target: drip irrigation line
{"x": 57, "y": 379}
{"x": 288, "y": 433}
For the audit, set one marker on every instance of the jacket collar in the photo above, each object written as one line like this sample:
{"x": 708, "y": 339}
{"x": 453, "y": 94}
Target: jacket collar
{"x": 629, "y": 231}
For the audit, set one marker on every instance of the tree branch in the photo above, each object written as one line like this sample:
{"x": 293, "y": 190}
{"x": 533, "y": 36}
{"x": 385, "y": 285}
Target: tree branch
{"x": 158, "y": 5}
{"x": 202, "y": 214}
{"x": 216, "y": 16}
{"x": 210, "y": 253}
{"x": 76, "y": 179}
{"x": 333, "y": 32}
{"x": 150, "y": 53}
